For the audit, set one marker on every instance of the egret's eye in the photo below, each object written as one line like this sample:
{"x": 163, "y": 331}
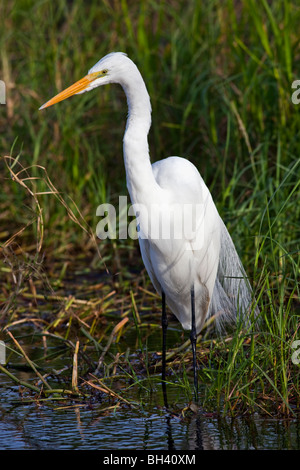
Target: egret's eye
{"x": 99, "y": 74}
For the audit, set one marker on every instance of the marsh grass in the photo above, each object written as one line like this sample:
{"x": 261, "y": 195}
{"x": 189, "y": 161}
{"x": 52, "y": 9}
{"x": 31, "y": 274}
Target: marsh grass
{"x": 219, "y": 75}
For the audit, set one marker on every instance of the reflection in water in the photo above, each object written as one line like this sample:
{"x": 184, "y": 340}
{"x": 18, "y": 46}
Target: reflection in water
{"x": 170, "y": 440}
{"x": 42, "y": 427}
{"x": 52, "y": 426}
{"x": 237, "y": 434}
{"x": 195, "y": 435}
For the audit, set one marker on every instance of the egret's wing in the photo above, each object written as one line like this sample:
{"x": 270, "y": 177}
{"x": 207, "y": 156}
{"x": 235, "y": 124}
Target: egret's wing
{"x": 232, "y": 296}
{"x": 145, "y": 252}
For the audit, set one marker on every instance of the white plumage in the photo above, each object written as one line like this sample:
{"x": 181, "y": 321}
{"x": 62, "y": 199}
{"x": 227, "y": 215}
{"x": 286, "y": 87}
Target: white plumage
{"x": 170, "y": 195}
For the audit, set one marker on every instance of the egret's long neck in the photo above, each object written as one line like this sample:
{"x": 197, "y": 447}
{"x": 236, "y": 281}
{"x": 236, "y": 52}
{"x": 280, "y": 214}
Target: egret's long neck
{"x": 140, "y": 179}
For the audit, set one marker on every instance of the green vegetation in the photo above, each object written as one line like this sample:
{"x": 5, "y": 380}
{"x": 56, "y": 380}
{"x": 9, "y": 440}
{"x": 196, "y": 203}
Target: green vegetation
{"x": 220, "y": 77}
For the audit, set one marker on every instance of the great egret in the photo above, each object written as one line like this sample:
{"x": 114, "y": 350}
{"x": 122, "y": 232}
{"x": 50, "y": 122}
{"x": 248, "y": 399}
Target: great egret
{"x": 195, "y": 269}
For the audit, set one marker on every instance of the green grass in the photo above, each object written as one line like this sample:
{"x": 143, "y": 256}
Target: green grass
{"x": 219, "y": 75}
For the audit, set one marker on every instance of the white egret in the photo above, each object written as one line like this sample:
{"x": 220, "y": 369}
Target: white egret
{"x": 194, "y": 265}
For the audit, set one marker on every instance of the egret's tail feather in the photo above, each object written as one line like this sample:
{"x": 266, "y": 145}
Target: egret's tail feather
{"x": 232, "y": 297}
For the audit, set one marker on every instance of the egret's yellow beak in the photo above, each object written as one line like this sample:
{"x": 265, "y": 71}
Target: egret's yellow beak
{"x": 73, "y": 89}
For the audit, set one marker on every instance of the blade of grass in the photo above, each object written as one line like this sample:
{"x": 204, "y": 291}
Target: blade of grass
{"x": 29, "y": 360}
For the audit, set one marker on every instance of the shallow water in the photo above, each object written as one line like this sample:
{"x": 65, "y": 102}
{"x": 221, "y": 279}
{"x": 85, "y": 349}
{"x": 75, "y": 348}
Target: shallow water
{"x": 85, "y": 426}
{"x": 40, "y": 427}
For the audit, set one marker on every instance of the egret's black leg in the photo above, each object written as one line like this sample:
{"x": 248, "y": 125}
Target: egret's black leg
{"x": 164, "y": 324}
{"x": 193, "y": 337}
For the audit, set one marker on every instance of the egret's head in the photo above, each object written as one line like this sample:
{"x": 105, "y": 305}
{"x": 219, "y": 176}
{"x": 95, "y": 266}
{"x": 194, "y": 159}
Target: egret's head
{"x": 108, "y": 70}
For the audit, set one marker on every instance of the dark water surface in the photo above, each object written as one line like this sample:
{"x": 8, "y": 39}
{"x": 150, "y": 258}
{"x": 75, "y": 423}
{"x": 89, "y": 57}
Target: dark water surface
{"x": 45, "y": 425}
{"x": 32, "y": 426}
